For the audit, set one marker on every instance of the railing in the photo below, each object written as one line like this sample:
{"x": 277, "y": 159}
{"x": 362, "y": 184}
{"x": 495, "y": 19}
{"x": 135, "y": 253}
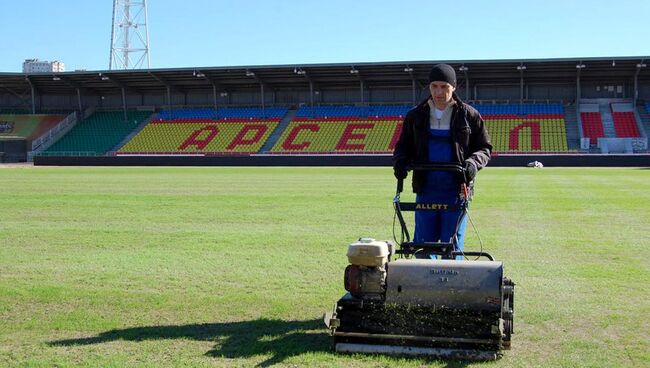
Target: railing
{"x": 71, "y": 153}
{"x": 55, "y": 133}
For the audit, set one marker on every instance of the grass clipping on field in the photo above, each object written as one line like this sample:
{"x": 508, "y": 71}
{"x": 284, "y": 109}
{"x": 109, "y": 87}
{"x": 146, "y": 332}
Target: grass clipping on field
{"x": 235, "y": 266}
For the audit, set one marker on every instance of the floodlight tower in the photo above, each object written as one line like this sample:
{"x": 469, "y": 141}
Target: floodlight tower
{"x": 129, "y": 35}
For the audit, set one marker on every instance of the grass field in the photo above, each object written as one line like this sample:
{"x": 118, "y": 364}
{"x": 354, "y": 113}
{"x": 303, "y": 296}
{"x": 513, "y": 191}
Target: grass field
{"x": 235, "y": 266}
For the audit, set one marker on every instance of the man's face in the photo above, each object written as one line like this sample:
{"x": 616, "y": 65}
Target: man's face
{"x": 441, "y": 92}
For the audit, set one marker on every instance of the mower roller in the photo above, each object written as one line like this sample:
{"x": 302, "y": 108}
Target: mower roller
{"x": 405, "y": 301}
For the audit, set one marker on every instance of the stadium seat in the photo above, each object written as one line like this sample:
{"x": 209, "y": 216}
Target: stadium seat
{"x": 519, "y": 128}
{"x": 347, "y": 136}
{"x": 625, "y": 125}
{"x": 592, "y": 126}
{"x": 352, "y": 130}
{"x": 225, "y": 131}
{"x": 214, "y": 137}
{"x": 342, "y": 130}
{"x": 517, "y": 135}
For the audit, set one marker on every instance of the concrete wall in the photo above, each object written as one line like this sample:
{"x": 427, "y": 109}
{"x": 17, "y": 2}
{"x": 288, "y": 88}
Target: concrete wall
{"x": 566, "y": 92}
{"x": 497, "y": 92}
{"x": 639, "y": 160}
{"x": 607, "y": 89}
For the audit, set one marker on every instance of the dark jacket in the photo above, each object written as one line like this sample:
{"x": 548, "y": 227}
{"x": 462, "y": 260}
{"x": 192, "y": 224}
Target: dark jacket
{"x": 470, "y": 139}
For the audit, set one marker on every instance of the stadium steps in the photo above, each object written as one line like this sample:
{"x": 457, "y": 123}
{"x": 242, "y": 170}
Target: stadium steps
{"x": 277, "y": 133}
{"x": 644, "y": 115}
{"x": 51, "y": 137}
{"x": 133, "y": 133}
{"x": 608, "y": 120}
{"x": 572, "y": 130}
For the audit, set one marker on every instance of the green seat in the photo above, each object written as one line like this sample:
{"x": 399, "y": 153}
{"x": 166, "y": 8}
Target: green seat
{"x": 98, "y": 133}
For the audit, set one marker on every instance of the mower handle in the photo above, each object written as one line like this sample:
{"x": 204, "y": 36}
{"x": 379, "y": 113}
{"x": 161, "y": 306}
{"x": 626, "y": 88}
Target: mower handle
{"x": 431, "y": 166}
{"x": 436, "y": 166}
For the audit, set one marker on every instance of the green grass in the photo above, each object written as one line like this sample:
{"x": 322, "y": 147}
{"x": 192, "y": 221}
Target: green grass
{"x": 235, "y": 266}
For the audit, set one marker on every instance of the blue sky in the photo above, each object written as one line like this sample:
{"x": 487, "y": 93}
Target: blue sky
{"x": 236, "y": 32}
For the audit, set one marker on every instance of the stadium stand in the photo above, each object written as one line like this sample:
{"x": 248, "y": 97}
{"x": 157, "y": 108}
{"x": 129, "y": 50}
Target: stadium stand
{"x": 97, "y": 134}
{"x": 375, "y": 129}
{"x": 205, "y": 131}
{"x": 342, "y": 130}
{"x": 592, "y": 126}
{"x": 26, "y": 126}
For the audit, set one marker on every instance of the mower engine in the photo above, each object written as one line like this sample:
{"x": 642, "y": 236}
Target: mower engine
{"x": 365, "y": 277}
{"x": 449, "y": 308}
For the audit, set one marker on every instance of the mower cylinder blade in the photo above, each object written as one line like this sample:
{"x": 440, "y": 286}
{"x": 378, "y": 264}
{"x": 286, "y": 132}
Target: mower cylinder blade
{"x": 419, "y": 351}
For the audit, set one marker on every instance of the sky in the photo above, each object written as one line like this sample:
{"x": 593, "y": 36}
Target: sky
{"x": 187, "y": 33}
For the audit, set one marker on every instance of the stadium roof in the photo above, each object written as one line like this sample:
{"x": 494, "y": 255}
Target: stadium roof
{"x": 340, "y": 75}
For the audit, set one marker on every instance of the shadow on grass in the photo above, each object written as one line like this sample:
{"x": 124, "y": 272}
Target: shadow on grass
{"x": 281, "y": 339}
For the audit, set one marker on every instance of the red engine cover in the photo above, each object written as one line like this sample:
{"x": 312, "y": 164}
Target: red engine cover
{"x": 352, "y": 279}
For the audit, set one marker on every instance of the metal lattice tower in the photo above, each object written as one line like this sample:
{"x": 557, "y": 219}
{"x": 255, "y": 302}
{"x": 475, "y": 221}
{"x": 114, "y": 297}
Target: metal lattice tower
{"x": 129, "y": 35}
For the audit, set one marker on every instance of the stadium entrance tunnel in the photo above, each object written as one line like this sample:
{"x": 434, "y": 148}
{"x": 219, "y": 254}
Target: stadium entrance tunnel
{"x": 235, "y": 340}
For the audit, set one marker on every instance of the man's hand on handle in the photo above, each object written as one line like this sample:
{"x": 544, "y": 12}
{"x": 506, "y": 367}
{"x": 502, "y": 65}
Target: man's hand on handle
{"x": 470, "y": 170}
{"x": 399, "y": 170}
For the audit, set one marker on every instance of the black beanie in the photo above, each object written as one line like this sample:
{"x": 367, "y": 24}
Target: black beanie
{"x": 443, "y": 73}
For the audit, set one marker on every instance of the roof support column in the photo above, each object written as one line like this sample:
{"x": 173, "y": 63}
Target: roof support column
{"x": 361, "y": 91}
{"x": 79, "y": 101}
{"x": 311, "y": 94}
{"x": 521, "y": 67}
{"x": 413, "y": 92}
{"x": 636, "y": 79}
{"x": 262, "y": 99}
{"x": 636, "y": 86}
{"x": 214, "y": 97}
{"x": 33, "y": 91}
{"x": 579, "y": 67}
{"x": 169, "y": 98}
{"x": 409, "y": 70}
{"x": 464, "y": 69}
{"x": 124, "y": 104}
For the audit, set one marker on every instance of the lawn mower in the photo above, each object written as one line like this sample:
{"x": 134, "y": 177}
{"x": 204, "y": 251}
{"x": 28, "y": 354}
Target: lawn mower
{"x": 423, "y": 298}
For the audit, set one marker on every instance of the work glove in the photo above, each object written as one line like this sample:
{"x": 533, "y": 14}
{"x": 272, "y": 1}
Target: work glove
{"x": 400, "y": 172}
{"x": 470, "y": 171}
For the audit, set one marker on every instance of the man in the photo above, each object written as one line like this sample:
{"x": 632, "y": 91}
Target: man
{"x": 441, "y": 129}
